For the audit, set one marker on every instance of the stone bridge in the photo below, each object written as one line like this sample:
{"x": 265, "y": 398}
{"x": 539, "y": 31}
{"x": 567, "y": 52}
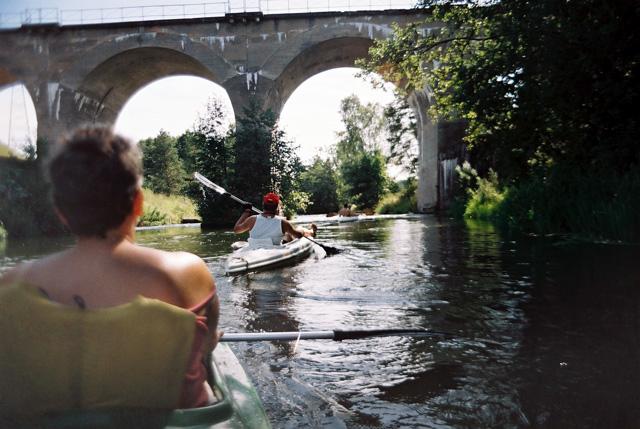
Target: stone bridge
{"x": 80, "y": 74}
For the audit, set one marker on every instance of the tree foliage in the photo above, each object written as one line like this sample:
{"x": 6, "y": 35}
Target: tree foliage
{"x": 209, "y": 149}
{"x": 359, "y": 159}
{"x": 319, "y": 181}
{"x": 401, "y": 128}
{"x": 163, "y": 172}
{"x": 541, "y": 83}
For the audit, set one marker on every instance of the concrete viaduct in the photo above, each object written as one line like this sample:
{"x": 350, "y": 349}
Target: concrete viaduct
{"x": 86, "y": 73}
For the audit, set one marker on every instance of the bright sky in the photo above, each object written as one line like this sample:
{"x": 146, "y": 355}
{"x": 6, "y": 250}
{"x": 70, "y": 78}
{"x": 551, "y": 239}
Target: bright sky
{"x": 310, "y": 117}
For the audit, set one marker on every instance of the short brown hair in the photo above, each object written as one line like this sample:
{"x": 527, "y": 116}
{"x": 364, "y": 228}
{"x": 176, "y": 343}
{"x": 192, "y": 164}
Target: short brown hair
{"x": 94, "y": 175}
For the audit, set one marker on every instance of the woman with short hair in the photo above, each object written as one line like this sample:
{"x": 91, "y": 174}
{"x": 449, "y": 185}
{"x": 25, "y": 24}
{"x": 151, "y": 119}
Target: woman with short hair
{"x": 106, "y": 323}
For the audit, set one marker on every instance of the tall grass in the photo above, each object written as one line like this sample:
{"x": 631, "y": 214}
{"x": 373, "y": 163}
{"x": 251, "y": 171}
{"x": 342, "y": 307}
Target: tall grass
{"x": 160, "y": 209}
{"x": 591, "y": 205}
{"x": 403, "y": 201}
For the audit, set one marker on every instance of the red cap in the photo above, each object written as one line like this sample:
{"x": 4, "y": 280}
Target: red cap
{"x": 271, "y": 198}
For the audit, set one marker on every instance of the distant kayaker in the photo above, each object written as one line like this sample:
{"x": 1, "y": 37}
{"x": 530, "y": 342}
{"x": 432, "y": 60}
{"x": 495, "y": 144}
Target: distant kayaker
{"x": 106, "y": 323}
{"x": 269, "y": 226}
{"x": 345, "y": 211}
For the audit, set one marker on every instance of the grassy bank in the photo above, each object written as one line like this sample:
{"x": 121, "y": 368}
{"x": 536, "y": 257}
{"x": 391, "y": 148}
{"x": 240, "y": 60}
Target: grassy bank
{"x": 403, "y": 201}
{"x": 160, "y": 209}
{"x": 588, "y": 205}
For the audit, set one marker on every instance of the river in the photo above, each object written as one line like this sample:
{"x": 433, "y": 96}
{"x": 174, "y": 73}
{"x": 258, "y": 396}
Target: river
{"x": 544, "y": 332}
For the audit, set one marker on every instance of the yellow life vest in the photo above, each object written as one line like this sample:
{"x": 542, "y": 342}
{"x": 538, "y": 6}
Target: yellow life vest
{"x": 55, "y": 357}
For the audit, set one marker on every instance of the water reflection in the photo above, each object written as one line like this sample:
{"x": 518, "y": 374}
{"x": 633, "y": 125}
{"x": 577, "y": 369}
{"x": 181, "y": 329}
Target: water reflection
{"x": 563, "y": 322}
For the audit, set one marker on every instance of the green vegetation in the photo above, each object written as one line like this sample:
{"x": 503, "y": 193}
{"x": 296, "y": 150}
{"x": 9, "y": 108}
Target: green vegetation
{"x": 25, "y": 208}
{"x": 319, "y": 181}
{"x": 564, "y": 201}
{"x": 561, "y": 135}
{"x": 401, "y": 201}
{"x": 362, "y": 170}
{"x": 163, "y": 172}
{"x": 160, "y": 209}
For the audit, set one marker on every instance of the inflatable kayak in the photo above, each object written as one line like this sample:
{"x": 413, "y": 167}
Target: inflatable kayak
{"x": 250, "y": 256}
{"x": 342, "y": 219}
{"x": 238, "y": 406}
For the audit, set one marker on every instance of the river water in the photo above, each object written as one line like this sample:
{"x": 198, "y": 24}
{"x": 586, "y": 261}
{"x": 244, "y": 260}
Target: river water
{"x": 544, "y": 333}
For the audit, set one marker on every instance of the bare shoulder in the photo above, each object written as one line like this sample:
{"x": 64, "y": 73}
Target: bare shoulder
{"x": 188, "y": 273}
{"x": 30, "y": 271}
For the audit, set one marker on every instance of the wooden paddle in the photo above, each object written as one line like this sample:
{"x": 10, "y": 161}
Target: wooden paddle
{"x": 220, "y": 190}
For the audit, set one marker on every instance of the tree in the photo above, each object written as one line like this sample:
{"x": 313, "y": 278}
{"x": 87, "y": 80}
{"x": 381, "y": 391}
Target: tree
{"x": 253, "y": 152}
{"x": 365, "y": 178}
{"x": 286, "y": 168}
{"x": 162, "y": 167}
{"x": 401, "y": 129}
{"x": 209, "y": 149}
{"x": 358, "y": 153}
{"x": 320, "y": 183}
{"x": 548, "y": 89}
{"x": 266, "y": 161}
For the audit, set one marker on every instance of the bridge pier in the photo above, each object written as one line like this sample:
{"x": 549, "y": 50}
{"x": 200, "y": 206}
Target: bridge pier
{"x": 60, "y": 109}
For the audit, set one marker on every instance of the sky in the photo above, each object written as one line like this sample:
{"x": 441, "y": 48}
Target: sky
{"x": 310, "y": 117}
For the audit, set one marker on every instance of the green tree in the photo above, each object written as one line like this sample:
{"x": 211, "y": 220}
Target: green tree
{"x": 536, "y": 87}
{"x": 286, "y": 169}
{"x": 163, "y": 172}
{"x": 401, "y": 128}
{"x": 266, "y": 161}
{"x": 209, "y": 149}
{"x": 358, "y": 153}
{"x": 252, "y": 152}
{"x": 319, "y": 181}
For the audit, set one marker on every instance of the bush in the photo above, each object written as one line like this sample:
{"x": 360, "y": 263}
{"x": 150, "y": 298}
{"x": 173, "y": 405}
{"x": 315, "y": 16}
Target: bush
{"x": 402, "y": 201}
{"x": 25, "y": 208}
{"x": 594, "y": 205}
{"x": 485, "y": 201}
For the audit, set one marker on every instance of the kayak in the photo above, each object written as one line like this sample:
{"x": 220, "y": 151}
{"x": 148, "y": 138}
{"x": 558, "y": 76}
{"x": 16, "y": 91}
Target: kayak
{"x": 238, "y": 406}
{"x": 343, "y": 219}
{"x": 246, "y": 257}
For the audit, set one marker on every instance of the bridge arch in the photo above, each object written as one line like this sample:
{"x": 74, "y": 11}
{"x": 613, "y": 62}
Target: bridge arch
{"x": 113, "y": 82}
{"x": 323, "y": 56}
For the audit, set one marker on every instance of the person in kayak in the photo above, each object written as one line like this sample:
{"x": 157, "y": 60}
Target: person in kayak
{"x": 105, "y": 323}
{"x": 268, "y": 226}
{"x": 346, "y": 211}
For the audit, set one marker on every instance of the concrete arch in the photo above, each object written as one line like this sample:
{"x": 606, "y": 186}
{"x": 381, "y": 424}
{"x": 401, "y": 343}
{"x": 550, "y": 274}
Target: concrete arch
{"x": 114, "y": 81}
{"x": 323, "y": 56}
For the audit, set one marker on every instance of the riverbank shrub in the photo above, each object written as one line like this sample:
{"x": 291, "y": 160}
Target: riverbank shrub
{"x": 160, "y": 209}
{"x": 402, "y": 201}
{"x": 25, "y": 208}
{"x": 593, "y": 205}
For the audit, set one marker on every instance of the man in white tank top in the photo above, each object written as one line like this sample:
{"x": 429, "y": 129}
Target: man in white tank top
{"x": 268, "y": 226}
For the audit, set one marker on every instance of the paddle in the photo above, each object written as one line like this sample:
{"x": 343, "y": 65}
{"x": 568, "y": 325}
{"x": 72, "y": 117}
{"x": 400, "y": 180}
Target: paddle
{"x": 336, "y": 335}
{"x": 219, "y": 189}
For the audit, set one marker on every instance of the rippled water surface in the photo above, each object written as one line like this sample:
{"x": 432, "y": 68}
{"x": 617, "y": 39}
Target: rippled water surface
{"x": 544, "y": 333}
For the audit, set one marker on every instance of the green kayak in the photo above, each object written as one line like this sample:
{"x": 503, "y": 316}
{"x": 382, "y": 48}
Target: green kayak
{"x": 238, "y": 407}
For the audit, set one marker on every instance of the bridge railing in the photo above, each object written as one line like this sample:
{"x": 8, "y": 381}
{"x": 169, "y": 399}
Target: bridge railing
{"x": 185, "y": 11}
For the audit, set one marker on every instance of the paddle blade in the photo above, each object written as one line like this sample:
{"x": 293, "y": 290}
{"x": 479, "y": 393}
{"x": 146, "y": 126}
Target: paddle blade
{"x": 208, "y": 183}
